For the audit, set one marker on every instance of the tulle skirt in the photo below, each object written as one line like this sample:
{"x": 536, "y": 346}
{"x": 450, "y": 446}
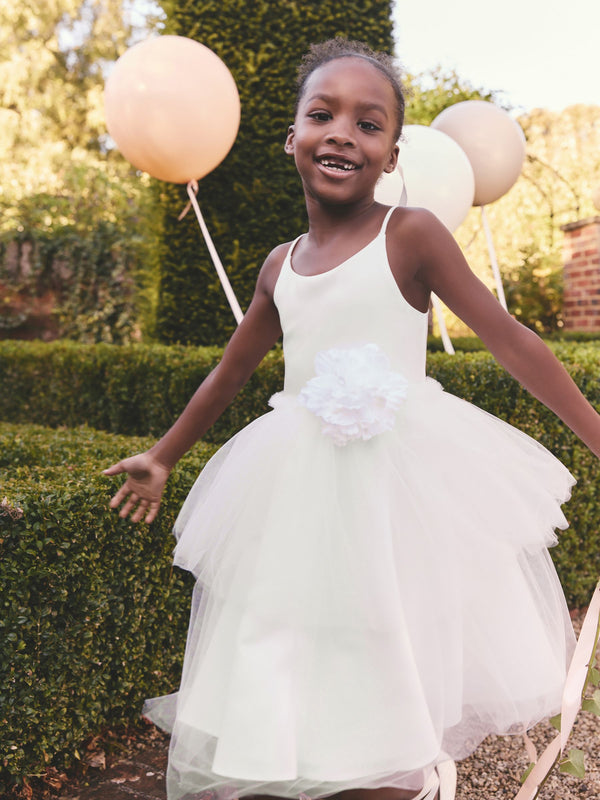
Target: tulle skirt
{"x": 362, "y": 612}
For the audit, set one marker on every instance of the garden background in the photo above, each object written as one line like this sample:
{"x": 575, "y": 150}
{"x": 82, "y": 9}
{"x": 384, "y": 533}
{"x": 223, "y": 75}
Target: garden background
{"x": 111, "y": 314}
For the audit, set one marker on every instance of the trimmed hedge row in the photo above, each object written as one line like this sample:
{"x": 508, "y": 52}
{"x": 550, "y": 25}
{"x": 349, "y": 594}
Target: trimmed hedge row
{"x": 135, "y": 390}
{"x": 93, "y": 617}
{"x": 139, "y": 390}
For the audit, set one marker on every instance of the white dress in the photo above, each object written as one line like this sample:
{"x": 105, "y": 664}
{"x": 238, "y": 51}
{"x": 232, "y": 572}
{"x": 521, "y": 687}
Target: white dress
{"x": 374, "y": 590}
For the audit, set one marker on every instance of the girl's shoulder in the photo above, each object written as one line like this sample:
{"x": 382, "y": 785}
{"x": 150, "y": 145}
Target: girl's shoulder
{"x": 414, "y": 221}
{"x": 269, "y": 272}
{"x": 417, "y": 231}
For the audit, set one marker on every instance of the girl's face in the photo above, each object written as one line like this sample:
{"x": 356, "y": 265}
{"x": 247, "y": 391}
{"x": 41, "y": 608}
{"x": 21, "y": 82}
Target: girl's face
{"x": 343, "y": 136}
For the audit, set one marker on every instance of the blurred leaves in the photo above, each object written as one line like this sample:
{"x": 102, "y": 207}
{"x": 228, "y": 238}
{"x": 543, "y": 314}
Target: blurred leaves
{"x": 430, "y": 92}
{"x": 77, "y": 226}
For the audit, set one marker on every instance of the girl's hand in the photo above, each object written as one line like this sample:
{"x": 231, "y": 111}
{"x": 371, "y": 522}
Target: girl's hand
{"x": 142, "y": 491}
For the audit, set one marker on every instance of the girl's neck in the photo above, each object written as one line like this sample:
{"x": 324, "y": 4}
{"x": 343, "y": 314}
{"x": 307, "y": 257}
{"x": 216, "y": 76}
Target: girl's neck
{"x": 324, "y": 220}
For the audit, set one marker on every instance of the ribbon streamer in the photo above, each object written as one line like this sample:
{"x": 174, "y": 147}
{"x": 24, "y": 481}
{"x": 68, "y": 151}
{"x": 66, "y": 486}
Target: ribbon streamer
{"x": 575, "y": 684}
{"x": 493, "y": 259}
{"x": 192, "y": 190}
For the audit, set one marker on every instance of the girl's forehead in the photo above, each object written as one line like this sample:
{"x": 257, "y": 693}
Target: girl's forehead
{"x": 352, "y": 74}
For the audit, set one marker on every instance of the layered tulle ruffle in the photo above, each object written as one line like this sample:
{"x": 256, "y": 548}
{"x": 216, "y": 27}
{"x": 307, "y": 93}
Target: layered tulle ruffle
{"x": 361, "y": 611}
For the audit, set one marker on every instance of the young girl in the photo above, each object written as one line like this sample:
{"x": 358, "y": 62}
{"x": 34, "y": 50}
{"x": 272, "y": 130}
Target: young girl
{"x": 374, "y": 590}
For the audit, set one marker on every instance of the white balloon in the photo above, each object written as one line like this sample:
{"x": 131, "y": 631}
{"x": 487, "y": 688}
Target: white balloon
{"x": 435, "y": 172}
{"x": 493, "y": 141}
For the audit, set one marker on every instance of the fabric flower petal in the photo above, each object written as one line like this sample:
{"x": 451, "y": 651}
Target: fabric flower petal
{"x": 354, "y": 393}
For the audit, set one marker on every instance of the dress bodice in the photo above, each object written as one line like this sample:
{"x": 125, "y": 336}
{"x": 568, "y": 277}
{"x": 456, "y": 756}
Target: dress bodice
{"x": 356, "y": 303}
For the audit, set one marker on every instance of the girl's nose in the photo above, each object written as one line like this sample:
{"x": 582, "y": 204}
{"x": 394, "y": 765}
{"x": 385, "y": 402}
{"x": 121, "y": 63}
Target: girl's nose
{"x": 341, "y": 134}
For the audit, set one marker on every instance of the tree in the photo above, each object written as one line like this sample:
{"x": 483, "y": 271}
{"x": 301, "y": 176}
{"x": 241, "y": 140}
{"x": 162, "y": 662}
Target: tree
{"x": 70, "y": 207}
{"x": 253, "y": 200}
{"x": 430, "y": 92}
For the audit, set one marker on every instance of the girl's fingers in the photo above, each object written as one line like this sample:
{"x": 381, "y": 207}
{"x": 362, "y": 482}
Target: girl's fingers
{"x": 116, "y": 469}
{"x": 120, "y": 495}
{"x": 140, "y": 511}
{"x": 150, "y": 516}
{"x": 146, "y": 510}
{"x": 130, "y": 504}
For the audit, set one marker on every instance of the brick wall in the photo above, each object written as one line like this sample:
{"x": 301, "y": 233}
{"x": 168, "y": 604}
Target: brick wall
{"x": 581, "y": 263}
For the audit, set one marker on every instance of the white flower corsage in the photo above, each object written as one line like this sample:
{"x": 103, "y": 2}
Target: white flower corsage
{"x": 354, "y": 393}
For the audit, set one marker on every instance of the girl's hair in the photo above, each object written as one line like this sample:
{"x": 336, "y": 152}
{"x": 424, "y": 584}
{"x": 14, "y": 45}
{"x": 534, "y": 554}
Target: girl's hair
{"x": 332, "y": 49}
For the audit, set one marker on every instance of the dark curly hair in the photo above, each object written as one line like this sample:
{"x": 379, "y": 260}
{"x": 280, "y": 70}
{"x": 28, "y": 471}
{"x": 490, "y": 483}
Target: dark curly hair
{"x": 332, "y": 49}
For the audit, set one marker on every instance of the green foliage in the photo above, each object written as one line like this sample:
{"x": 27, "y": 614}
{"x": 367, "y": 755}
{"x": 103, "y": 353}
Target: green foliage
{"x": 594, "y": 676}
{"x": 534, "y": 289}
{"x": 463, "y": 344}
{"x": 574, "y": 763}
{"x": 77, "y": 255}
{"x": 93, "y": 616}
{"x": 429, "y": 93}
{"x": 134, "y": 390}
{"x": 556, "y": 186}
{"x": 592, "y": 704}
{"x": 140, "y": 389}
{"x": 253, "y": 201}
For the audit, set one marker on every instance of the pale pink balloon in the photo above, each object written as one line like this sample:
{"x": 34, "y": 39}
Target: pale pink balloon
{"x": 172, "y": 107}
{"x": 493, "y": 141}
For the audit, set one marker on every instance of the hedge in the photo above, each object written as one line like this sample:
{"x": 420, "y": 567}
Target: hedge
{"x": 139, "y": 390}
{"x": 93, "y": 615}
{"x": 135, "y": 390}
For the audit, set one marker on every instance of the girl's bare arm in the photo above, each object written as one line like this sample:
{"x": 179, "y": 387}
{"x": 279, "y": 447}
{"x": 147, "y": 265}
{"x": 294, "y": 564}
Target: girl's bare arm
{"x": 256, "y": 334}
{"x": 444, "y": 270}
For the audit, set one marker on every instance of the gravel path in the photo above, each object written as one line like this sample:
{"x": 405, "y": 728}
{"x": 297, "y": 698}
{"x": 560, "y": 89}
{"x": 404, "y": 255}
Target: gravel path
{"x": 493, "y": 771}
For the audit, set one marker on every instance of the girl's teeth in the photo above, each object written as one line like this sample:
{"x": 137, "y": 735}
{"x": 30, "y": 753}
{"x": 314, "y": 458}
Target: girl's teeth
{"x": 337, "y": 165}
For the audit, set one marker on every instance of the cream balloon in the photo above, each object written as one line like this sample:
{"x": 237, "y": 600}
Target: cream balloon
{"x": 493, "y": 142}
{"x": 172, "y": 107}
{"x": 435, "y": 172}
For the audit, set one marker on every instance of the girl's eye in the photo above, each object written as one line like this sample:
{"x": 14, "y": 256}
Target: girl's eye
{"x": 369, "y": 126}
{"x": 321, "y": 116}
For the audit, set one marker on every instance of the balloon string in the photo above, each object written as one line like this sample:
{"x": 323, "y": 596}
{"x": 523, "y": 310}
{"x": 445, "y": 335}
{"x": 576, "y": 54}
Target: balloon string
{"x": 574, "y": 689}
{"x": 404, "y": 196}
{"x": 192, "y": 190}
{"x": 448, "y": 346}
{"x": 495, "y": 268}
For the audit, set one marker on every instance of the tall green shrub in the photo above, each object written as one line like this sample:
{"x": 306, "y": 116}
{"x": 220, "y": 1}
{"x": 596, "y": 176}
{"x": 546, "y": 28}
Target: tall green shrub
{"x": 253, "y": 201}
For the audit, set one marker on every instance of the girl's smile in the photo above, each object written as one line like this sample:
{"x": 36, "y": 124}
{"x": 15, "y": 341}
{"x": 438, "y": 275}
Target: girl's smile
{"x": 336, "y": 166}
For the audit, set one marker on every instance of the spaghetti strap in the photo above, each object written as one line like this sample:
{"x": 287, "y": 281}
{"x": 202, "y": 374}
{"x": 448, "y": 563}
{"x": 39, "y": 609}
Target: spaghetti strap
{"x": 386, "y": 219}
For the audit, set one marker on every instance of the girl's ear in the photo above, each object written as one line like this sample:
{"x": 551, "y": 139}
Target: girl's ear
{"x": 289, "y": 142}
{"x": 391, "y": 165}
